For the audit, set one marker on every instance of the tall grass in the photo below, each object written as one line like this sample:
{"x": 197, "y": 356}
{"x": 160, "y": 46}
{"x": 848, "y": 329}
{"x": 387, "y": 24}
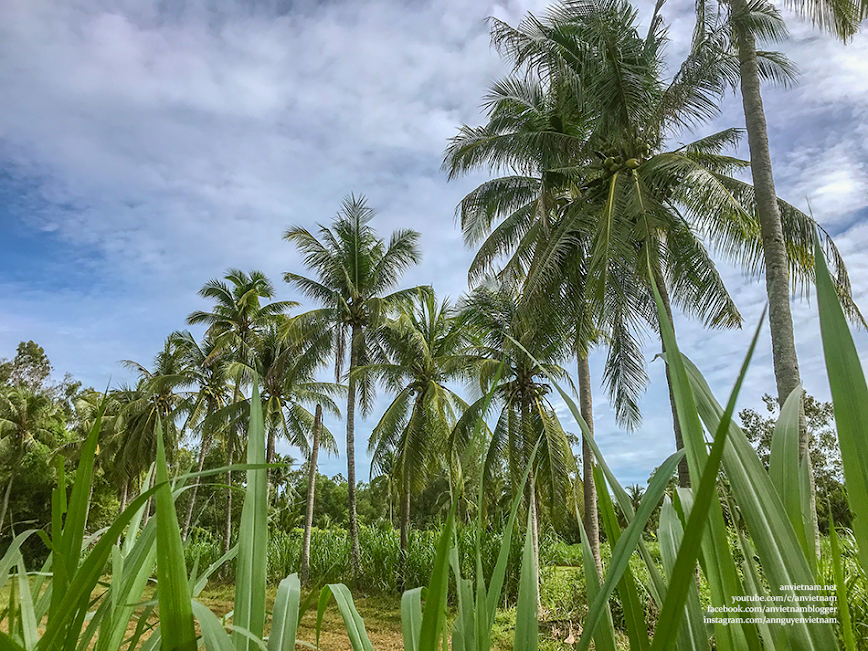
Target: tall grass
{"x": 763, "y": 555}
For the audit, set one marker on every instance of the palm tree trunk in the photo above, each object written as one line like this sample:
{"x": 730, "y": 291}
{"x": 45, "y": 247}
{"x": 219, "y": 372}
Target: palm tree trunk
{"x": 203, "y": 451}
{"x": 405, "y": 530}
{"x": 124, "y": 493}
{"x": 683, "y": 467}
{"x": 304, "y": 572}
{"x": 786, "y": 362}
{"x": 592, "y": 523}
{"x": 355, "y": 554}
{"x": 5, "y": 506}
{"x": 530, "y": 497}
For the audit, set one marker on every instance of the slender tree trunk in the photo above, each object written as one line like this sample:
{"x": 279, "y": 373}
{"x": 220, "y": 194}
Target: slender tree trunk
{"x": 683, "y": 467}
{"x": 230, "y": 453}
{"x": 304, "y": 572}
{"x": 355, "y": 553}
{"x": 203, "y": 451}
{"x": 405, "y": 531}
{"x": 530, "y": 497}
{"x": 5, "y": 506}
{"x": 786, "y": 362}
{"x": 592, "y": 523}
{"x": 124, "y": 493}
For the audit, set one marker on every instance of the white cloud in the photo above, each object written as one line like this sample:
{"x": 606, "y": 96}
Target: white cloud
{"x": 166, "y": 145}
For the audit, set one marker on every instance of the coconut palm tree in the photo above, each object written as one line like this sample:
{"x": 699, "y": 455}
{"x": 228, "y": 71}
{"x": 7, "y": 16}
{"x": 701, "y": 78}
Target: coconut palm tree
{"x": 425, "y": 347}
{"x": 354, "y": 268}
{"x": 304, "y": 569}
{"x": 205, "y": 365}
{"x": 235, "y": 321}
{"x": 151, "y": 403}
{"x": 525, "y": 414}
{"x": 27, "y": 419}
{"x": 285, "y": 361}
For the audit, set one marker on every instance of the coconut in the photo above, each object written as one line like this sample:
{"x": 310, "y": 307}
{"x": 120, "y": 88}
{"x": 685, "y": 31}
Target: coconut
{"x": 633, "y": 163}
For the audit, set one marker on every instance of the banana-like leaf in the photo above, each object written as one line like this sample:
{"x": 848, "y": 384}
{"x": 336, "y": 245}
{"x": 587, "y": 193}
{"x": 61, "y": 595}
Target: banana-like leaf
{"x": 253, "y": 537}
{"x": 176, "y": 611}
{"x": 284, "y": 618}
{"x": 849, "y": 397}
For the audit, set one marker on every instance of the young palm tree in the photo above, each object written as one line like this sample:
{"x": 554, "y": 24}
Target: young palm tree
{"x": 525, "y": 414}
{"x": 155, "y": 399}
{"x": 234, "y": 323}
{"x": 205, "y": 365}
{"x": 426, "y": 348}
{"x": 354, "y": 268}
{"x": 304, "y": 569}
{"x": 27, "y": 418}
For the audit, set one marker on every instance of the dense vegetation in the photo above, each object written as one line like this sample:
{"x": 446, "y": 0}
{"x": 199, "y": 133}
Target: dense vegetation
{"x": 593, "y": 232}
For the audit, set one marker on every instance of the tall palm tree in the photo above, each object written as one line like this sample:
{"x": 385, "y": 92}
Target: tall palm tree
{"x": 27, "y": 419}
{"x": 426, "y": 348}
{"x": 741, "y": 25}
{"x": 632, "y": 201}
{"x": 154, "y": 400}
{"x": 205, "y": 365}
{"x": 354, "y": 268}
{"x": 525, "y": 414}
{"x": 235, "y": 322}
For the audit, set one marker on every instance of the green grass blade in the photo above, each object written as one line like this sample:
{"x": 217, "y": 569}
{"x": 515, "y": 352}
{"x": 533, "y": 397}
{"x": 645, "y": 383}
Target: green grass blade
{"x": 692, "y": 635}
{"x": 8, "y": 644}
{"x": 10, "y": 558}
{"x": 176, "y": 610}
{"x": 214, "y": 635}
{"x": 353, "y": 622}
{"x": 781, "y": 556}
{"x": 434, "y": 613}
{"x": 604, "y": 633}
{"x": 28, "y": 617}
{"x": 526, "y": 618}
{"x": 849, "y": 397}
{"x": 202, "y": 580}
{"x": 809, "y": 519}
{"x": 634, "y": 614}
{"x": 463, "y": 627}
{"x": 411, "y": 618}
{"x": 681, "y": 578}
{"x": 841, "y": 587}
{"x": 284, "y": 618}
{"x": 784, "y": 465}
{"x": 626, "y": 545}
{"x": 250, "y": 572}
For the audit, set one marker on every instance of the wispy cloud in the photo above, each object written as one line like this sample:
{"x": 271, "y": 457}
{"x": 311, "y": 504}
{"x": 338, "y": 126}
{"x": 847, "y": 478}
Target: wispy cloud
{"x": 147, "y": 147}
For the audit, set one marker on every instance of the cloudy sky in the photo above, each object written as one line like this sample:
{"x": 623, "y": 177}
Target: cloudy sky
{"x": 146, "y": 147}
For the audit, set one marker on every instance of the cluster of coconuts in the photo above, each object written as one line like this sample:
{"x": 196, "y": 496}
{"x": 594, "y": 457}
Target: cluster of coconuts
{"x": 614, "y": 164}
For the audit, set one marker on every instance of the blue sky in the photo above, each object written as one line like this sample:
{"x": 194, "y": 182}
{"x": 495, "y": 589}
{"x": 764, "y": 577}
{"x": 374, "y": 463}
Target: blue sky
{"x": 146, "y": 147}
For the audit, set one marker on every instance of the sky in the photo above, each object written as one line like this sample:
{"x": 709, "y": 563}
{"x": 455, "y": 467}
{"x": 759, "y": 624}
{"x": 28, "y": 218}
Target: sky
{"x": 146, "y": 147}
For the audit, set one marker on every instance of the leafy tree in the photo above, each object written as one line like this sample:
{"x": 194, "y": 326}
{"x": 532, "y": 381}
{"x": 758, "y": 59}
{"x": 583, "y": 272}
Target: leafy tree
{"x": 235, "y": 322}
{"x": 824, "y": 450}
{"x": 354, "y": 268}
{"x": 30, "y": 367}
{"x": 28, "y": 420}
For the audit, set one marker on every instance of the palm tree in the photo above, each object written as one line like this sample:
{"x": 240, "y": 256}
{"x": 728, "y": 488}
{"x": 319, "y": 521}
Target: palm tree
{"x": 234, "y": 323}
{"x": 426, "y": 348}
{"x": 526, "y": 416}
{"x": 286, "y": 359}
{"x": 353, "y": 269}
{"x": 745, "y": 22}
{"x": 304, "y": 570}
{"x": 629, "y": 201}
{"x": 205, "y": 366}
{"x": 154, "y": 400}
{"x": 27, "y": 419}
